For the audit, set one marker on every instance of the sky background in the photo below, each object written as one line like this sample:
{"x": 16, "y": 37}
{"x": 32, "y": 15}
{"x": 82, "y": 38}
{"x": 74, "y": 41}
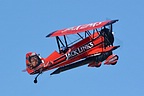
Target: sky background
{"x": 24, "y": 25}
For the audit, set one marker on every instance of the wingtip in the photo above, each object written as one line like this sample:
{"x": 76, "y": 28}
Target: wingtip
{"x": 50, "y": 34}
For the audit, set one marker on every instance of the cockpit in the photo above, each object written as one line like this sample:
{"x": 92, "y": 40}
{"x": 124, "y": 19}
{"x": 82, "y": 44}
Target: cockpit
{"x": 108, "y": 35}
{"x": 33, "y": 61}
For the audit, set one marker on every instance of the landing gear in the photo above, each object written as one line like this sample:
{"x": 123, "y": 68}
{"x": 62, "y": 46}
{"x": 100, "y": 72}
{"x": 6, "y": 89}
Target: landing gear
{"x": 111, "y": 60}
{"x": 35, "y": 80}
{"x": 98, "y": 64}
{"x": 95, "y": 64}
{"x": 40, "y": 72}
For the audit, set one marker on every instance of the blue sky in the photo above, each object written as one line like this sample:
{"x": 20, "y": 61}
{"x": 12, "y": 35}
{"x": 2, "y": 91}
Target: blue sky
{"x": 24, "y": 25}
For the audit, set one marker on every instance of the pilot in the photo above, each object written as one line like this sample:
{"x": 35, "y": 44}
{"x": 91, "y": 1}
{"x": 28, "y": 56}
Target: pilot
{"x": 109, "y": 40}
{"x": 34, "y": 60}
{"x": 63, "y": 49}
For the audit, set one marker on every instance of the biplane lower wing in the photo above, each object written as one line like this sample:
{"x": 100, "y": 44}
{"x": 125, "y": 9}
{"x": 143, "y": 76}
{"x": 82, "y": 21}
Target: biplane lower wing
{"x": 71, "y": 66}
{"x": 98, "y": 58}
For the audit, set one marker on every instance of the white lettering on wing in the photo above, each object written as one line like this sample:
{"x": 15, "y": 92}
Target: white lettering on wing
{"x": 82, "y": 27}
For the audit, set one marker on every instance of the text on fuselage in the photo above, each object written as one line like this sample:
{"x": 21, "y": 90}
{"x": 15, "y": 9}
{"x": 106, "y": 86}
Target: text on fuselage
{"x": 79, "y": 50}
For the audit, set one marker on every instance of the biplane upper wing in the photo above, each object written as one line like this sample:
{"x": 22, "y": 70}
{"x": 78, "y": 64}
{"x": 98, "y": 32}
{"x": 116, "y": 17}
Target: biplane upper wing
{"x": 81, "y": 28}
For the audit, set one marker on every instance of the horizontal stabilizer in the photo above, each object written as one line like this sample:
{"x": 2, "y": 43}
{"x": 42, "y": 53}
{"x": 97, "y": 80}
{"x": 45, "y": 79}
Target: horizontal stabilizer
{"x": 24, "y": 70}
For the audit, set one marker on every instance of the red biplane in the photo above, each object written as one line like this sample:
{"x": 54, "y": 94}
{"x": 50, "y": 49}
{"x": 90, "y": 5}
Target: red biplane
{"x": 94, "y": 45}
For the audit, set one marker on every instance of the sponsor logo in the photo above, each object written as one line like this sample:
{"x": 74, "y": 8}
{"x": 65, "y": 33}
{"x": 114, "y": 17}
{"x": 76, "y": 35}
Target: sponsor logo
{"x": 80, "y": 27}
{"x": 79, "y": 50}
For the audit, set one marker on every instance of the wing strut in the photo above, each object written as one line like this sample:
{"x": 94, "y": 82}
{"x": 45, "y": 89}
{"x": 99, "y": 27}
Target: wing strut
{"x": 57, "y": 38}
{"x": 65, "y": 41}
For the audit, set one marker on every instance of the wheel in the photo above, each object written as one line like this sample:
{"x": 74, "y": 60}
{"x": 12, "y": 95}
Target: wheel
{"x": 113, "y": 63}
{"x": 115, "y": 59}
{"x": 35, "y": 81}
{"x": 98, "y": 65}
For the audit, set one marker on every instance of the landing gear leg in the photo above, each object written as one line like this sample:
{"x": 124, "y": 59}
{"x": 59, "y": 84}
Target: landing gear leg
{"x": 35, "y": 80}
